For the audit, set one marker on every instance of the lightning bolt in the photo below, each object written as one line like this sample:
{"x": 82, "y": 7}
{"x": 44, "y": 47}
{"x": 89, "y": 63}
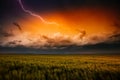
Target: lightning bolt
{"x": 35, "y": 15}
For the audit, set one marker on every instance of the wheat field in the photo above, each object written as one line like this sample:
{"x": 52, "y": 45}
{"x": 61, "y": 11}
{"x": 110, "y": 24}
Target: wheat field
{"x": 59, "y": 67}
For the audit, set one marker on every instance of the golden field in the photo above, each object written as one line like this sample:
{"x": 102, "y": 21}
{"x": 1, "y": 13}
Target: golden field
{"x": 59, "y": 67}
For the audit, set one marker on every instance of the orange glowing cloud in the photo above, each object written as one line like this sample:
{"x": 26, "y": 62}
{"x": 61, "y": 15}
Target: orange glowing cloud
{"x": 95, "y": 20}
{"x": 76, "y": 27}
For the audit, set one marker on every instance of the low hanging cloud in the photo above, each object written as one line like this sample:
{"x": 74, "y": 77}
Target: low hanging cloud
{"x": 56, "y": 40}
{"x": 4, "y": 33}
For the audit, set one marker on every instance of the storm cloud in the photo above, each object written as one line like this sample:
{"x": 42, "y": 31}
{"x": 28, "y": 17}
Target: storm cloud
{"x": 56, "y": 40}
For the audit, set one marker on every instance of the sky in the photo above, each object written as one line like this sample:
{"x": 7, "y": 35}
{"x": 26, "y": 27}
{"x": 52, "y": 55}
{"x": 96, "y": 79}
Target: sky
{"x": 59, "y": 26}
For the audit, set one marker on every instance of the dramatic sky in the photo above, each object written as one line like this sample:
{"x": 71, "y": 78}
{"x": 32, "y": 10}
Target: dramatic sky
{"x": 59, "y": 26}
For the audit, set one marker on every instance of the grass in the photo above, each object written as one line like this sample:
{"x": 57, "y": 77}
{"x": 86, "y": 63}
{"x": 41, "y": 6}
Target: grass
{"x": 59, "y": 67}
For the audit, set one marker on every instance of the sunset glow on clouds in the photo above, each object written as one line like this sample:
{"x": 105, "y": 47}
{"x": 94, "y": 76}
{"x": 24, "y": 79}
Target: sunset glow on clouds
{"x": 76, "y": 26}
{"x": 57, "y": 39}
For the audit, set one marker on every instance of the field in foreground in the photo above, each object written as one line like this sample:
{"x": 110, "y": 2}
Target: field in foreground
{"x": 59, "y": 67}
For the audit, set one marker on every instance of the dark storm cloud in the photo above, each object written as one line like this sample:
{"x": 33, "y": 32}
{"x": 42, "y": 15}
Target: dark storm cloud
{"x": 14, "y": 43}
{"x": 10, "y": 10}
{"x": 115, "y": 38}
{"x": 10, "y": 43}
{"x": 82, "y": 34}
{"x": 4, "y": 33}
{"x": 17, "y": 25}
{"x": 52, "y": 42}
{"x": 51, "y": 5}
{"x": 101, "y": 48}
{"x": 96, "y": 44}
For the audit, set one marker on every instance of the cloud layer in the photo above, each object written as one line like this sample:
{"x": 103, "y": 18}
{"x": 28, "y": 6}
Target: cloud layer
{"x": 56, "y": 40}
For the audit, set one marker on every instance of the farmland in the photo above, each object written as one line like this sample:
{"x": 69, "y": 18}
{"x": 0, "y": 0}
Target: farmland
{"x": 59, "y": 67}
